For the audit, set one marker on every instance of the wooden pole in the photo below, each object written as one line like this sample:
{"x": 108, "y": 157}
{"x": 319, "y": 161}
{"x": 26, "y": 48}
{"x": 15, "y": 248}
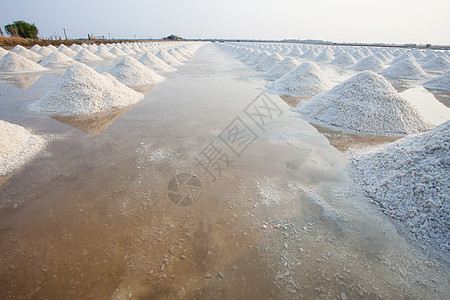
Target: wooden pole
{"x": 65, "y": 33}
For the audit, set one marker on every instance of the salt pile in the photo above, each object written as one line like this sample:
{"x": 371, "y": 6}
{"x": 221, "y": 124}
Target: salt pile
{"x": 326, "y": 55}
{"x": 309, "y": 54}
{"x": 24, "y": 52}
{"x": 117, "y": 52}
{"x": 280, "y": 69}
{"x": 35, "y": 48}
{"x": 81, "y": 90}
{"x": 427, "y": 58}
{"x": 259, "y": 58}
{"x": 155, "y": 63}
{"x": 17, "y": 146}
{"x": 127, "y": 50}
{"x": 306, "y": 80}
{"x": 370, "y": 63}
{"x": 439, "y": 83}
{"x": 296, "y": 52}
{"x": 44, "y": 51}
{"x": 176, "y": 54}
{"x": 3, "y": 52}
{"x": 64, "y": 49}
{"x": 402, "y": 57}
{"x": 344, "y": 59}
{"x": 365, "y": 103}
{"x": 409, "y": 181}
{"x": 104, "y": 53}
{"x": 437, "y": 64}
{"x": 168, "y": 59}
{"x": 268, "y": 62}
{"x": 133, "y": 73}
{"x": 87, "y": 56}
{"x": 404, "y": 69}
{"x": 57, "y": 58}
{"x": 14, "y": 63}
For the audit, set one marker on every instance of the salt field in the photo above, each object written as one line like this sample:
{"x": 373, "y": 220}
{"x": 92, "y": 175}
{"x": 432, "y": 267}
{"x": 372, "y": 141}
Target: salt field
{"x": 236, "y": 170}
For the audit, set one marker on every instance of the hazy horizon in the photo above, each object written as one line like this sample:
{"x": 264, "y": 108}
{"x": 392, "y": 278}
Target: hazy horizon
{"x": 383, "y": 21}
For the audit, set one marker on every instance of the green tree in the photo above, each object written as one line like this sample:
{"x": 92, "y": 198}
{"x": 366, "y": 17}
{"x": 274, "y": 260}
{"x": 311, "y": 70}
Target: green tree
{"x": 22, "y": 29}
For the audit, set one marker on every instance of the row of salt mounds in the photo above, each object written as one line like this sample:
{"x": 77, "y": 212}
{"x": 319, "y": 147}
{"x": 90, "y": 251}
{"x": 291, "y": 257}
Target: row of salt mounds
{"x": 155, "y": 63}
{"x": 437, "y": 64}
{"x": 67, "y": 51}
{"x": 306, "y": 80}
{"x": 24, "y": 52}
{"x": 280, "y": 69}
{"x": 366, "y": 103}
{"x": 14, "y": 63}
{"x": 87, "y": 56}
{"x": 81, "y": 91}
{"x": 57, "y": 58}
{"x": 135, "y": 74}
{"x": 404, "y": 69}
{"x": 168, "y": 59}
{"x": 344, "y": 59}
{"x": 369, "y": 63}
{"x": 268, "y": 62}
{"x": 104, "y": 53}
{"x": 17, "y": 146}
{"x": 409, "y": 181}
{"x": 439, "y": 83}
{"x": 3, "y": 52}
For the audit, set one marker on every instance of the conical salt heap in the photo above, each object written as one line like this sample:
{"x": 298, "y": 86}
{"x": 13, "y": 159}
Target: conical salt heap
{"x": 14, "y": 63}
{"x": 57, "y": 58}
{"x": 44, "y": 51}
{"x": 67, "y": 51}
{"x": 344, "y": 59}
{"x": 87, "y": 56}
{"x": 155, "y": 63}
{"x": 134, "y": 74}
{"x": 268, "y": 62}
{"x": 168, "y": 59}
{"x": 309, "y": 54}
{"x": 404, "y": 69}
{"x": 104, "y": 53}
{"x": 370, "y": 63}
{"x": 24, "y": 52}
{"x": 366, "y": 103}
{"x": 117, "y": 52}
{"x": 409, "y": 181}
{"x": 177, "y": 55}
{"x": 82, "y": 91}
{"x": 280, "y": 69}
{"x": 306, "y": 80}
{"x": 17, "y": 146}
{"x": 3, "y": 52}
{"x": 257, "y": 59}
{"x": 437, "y": 64}
{"x": 439, "y": 83}
{"x": 325, "y": 55}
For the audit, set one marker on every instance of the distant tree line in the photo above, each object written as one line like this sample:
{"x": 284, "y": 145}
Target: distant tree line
{"x": 22, "y": 29}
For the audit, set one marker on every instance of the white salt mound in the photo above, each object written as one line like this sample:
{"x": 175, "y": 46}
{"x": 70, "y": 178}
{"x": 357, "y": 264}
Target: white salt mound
{"x": 81, "y": 91}
{"x": 325, "y": 55}
{"x": 3, "y": 52}
{"x": 133, "y": 73}
{"x": 177, "y": 55}
{"x": 365, "y": 103}
{"x": 22, "y": 51}
{"x": 17, "y": 146}
{"x": 268, "y": 62}
{"x": 155, "y": 63}
{"x": 117, "y": 52}
{"x": 409, "y": 181}
{"x": 283, "y": 67}
{"x": 306, "y": 80}
{"x": 404, "y": 69}
{"x": 168, "y": 59}
{"x": 44, "y": 51}
{"x": 370, "y": 63}
{"x": 87, "y": 56}
{"x": 437, "y": 64}
{"x": 104, "y": 53}
{"x": 67, "y": 51}
{"x": 14, "y": 63}
{"x": 439, "y": 83}
{"x": 57, "y": 58}
{"x": 344, "y": 59}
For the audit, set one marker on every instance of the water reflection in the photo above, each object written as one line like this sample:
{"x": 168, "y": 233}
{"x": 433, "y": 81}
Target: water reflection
{"x": 144, "y": 89}
{"x": 93, "y": 124}
{"x": 23, "y": 81}
{"x": 293, "y": 101}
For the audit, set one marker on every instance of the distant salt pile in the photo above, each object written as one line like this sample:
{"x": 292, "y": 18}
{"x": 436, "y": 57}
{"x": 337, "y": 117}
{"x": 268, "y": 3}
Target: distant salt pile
{"x": 309, "y": 54}
{"x": 409, "y": 181}
{"x": 177, "y": 55}
{"x": 365, "y": 103}
{"x": 17, "y": 146}
{"x": 57, "y": 58}
{"x": 104, "y": 53}
{"x": 344, "y": 59}
{"x": 370, "y": 63}
{"x": 427, "y": 58}
{"x": 280, "y": 69}
{"x": 155, "y": 63}
{"x": 268, "y": 62}
{"x": 417, "y": 54}
{"x": 306, "y": 80}
{"x": 259, "y": 58}
{"x": 439, "y": 83}
{"x": 117, "y": 52}
{"x": 402, "y": 57}
{"x": 76, "y": 48}
{"x": 325, "y": 55}
{"x": 250, "y": 56}
{"x": 3, "y": 52}
{"x": 296, "y": 52}
{"x": 134, "y": 74}
{"x": 44, "y": 51}
{"x": 357, "y": 54}
{"x": 127, "y": 50}
{"x": 437, "y": 64}
{"x": 87, "y": 56}
{"x": 24, "y": 52}
{"x": 35, "y": 48}
{"x": 404, "y": 69}
{"x": 382, "y": 57}
{"x": 168, "y": 59}
{"x": 64, "y": 49}
{"x": 14, "y": 63}
{"x": 81, "y": 91}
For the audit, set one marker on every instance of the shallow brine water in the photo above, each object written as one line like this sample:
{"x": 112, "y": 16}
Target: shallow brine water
{"x": 208, "y": 189}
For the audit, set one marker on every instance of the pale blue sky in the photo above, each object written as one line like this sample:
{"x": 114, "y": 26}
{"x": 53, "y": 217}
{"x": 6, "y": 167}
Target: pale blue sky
{"x": 389, "y": 21}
